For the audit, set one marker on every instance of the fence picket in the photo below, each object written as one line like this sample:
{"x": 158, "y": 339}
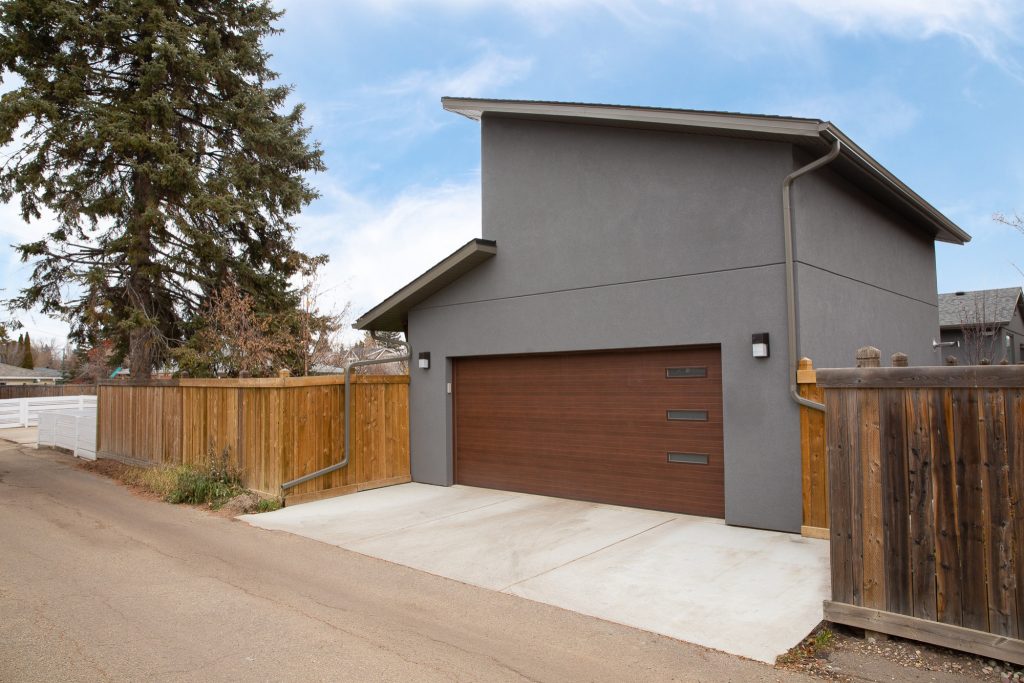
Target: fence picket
{"x": 275, "y": 430}
{"x": 949, "y": 448}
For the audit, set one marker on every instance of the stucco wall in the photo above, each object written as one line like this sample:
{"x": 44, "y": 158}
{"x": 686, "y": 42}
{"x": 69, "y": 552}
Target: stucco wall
{"x": 611, "y": 238}
{"x": 864, "y": 276}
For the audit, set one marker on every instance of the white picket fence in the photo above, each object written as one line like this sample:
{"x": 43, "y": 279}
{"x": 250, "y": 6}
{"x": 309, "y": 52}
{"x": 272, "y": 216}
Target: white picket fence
{"x": 25, "y": 412}
{"x": 73, "y": 429}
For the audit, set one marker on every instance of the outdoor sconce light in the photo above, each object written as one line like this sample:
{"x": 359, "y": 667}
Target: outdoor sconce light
{"x": 424, "y": 360}
{"x": 760, "y": 345}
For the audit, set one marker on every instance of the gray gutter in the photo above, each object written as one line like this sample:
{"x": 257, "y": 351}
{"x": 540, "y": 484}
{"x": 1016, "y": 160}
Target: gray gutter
{"x": 865, "y": 162}
{"x": 792, "y": 338}
{"x": 347, "y": 452}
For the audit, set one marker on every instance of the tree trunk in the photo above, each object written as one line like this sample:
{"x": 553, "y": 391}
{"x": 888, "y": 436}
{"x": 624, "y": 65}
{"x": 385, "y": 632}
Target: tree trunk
{"x": 144, "y": 335}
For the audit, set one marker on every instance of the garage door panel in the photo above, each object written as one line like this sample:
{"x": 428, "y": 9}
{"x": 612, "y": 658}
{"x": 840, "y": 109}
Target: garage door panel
{"x": 592, "y": 426}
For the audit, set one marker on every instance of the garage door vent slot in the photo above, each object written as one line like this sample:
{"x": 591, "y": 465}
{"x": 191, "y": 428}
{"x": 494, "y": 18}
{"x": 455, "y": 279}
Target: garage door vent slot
{"x": 689, "y": 458}
{"x": 684, "y": 373}
{"x": 688, "y": 415}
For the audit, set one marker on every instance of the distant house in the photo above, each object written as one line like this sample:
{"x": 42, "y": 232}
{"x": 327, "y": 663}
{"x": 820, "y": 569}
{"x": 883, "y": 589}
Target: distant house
{"x": 983, "y": 324}
{"x": 12, "y": 374}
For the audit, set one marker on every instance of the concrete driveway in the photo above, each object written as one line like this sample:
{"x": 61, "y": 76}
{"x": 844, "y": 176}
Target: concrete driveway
{"x": 99, "y": 584}
{"x": 742, "y": 591}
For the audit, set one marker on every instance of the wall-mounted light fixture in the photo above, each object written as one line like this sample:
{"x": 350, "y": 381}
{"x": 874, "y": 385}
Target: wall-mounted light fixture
{"x": 424, "y": 361}
{"x": 760, "y": 345}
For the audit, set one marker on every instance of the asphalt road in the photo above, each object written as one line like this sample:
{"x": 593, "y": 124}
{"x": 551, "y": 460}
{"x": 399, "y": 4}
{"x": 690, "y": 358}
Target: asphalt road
{"x": 97, "y": 583}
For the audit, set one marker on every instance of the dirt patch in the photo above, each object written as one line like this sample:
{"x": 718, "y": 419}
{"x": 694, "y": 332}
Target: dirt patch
{"x": 108, "y": 468}
{"x": 121, "y": 473}
{"x": 838, "y": 653}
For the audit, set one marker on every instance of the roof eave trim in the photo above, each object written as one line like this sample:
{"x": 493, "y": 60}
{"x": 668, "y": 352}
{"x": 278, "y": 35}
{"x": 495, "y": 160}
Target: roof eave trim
{"x": 948, "y": 231}
{"x": 474, "y": 109}
{"x": 412, "y": 293}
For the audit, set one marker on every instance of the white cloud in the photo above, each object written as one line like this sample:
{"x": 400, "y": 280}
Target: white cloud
{"x": 407, "y": 108}
{"x": 376, "y": 249}
{"x": 870, "y": 115}
{"x": 492, "y": 70}
{"x": 995, "y": 28}
{"x": 15, "y": 230}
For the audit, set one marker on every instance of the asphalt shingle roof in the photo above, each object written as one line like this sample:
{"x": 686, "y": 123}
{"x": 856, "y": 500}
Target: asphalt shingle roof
{"x": 987, "y": 306}
{"x": 14, "y": 371}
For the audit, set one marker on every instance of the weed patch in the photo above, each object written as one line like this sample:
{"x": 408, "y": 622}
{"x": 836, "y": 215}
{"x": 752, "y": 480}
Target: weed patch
{"x": 812, "y": 653}
{"x": 268, "y": 505}
{"x": 158, "y": 480}
{"x": 214, "y": 482}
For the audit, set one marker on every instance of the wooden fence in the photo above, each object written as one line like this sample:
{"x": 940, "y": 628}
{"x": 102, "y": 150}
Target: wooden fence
{"x": 275, "y": 430}
{"x": 45, "y": 390}
{"x": 813, "y": 458}
{"x": 926, "y": 487}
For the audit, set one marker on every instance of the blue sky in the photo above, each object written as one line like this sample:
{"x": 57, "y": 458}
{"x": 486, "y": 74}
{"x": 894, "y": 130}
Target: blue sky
{"x": 934, "y": 89}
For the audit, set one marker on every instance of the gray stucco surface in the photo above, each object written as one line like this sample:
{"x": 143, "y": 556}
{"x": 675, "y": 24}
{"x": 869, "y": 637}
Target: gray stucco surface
{"x": 611, "y": 238}
{"x": 863, "y": 277}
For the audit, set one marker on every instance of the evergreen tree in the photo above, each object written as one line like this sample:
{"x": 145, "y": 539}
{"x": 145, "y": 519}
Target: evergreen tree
{"x": 17, "y": 354}
{"x": 27, "y": 361}
{"x": 154, "y": 131}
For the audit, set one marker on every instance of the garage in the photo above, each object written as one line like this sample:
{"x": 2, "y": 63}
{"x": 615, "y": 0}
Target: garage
{"x": 641, "y": 428}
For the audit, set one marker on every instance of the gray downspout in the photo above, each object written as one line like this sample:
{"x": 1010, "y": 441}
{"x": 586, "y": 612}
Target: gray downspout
{"x": 348, "y": 411}
{"x": 787, "y": 222}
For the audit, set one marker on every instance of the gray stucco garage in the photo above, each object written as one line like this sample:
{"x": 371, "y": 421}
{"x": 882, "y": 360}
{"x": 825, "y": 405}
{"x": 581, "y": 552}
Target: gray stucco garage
{"x": 597, "y": 341}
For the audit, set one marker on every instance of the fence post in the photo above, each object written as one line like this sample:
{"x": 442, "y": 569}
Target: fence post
{"x": 814, "y": 465}
{"x": 284, "y": 373}
{"x": 869, "y": 357}
{"x": 900, "y": 360}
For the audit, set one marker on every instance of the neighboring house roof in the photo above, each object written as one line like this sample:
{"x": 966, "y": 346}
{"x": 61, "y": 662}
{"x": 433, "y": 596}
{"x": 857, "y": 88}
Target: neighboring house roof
{"x": 324, "y": 369}
{"x": 392, "y": 313}
{"x": 984, "y": 306}
{"x": 815, "y": 135}
{"x": 15, "y": 372}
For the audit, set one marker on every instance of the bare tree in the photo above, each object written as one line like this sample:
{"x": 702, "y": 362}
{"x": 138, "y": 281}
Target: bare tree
{"x": 318, "y": 330}
{"x": 981, "y": 345}
{"x": 1016, "y": 221}
{"x": 234, "y": 338}
{"x": 94, "y": 364}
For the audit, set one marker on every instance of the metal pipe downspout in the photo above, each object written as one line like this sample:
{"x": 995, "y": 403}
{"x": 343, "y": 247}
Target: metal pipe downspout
{"x": 348, "y": 410}
{"x": 787, "y": 222}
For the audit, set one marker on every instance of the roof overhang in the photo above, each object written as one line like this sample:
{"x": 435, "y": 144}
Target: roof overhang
{"x": 815, "y": 135}
{"x": 392, "y": 314}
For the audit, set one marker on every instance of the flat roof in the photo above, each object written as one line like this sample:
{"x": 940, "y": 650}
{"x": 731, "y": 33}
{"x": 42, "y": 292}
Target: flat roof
{"x": 815, "y": 135}
{"x": 392, "y": 314}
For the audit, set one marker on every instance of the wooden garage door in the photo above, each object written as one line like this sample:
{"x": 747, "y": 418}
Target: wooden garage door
{"x": 636, "y": 428}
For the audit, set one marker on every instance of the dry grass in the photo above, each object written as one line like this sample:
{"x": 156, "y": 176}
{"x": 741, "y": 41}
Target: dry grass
{"x": 160, "y": 481}
{"x": 212, "y": 484}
